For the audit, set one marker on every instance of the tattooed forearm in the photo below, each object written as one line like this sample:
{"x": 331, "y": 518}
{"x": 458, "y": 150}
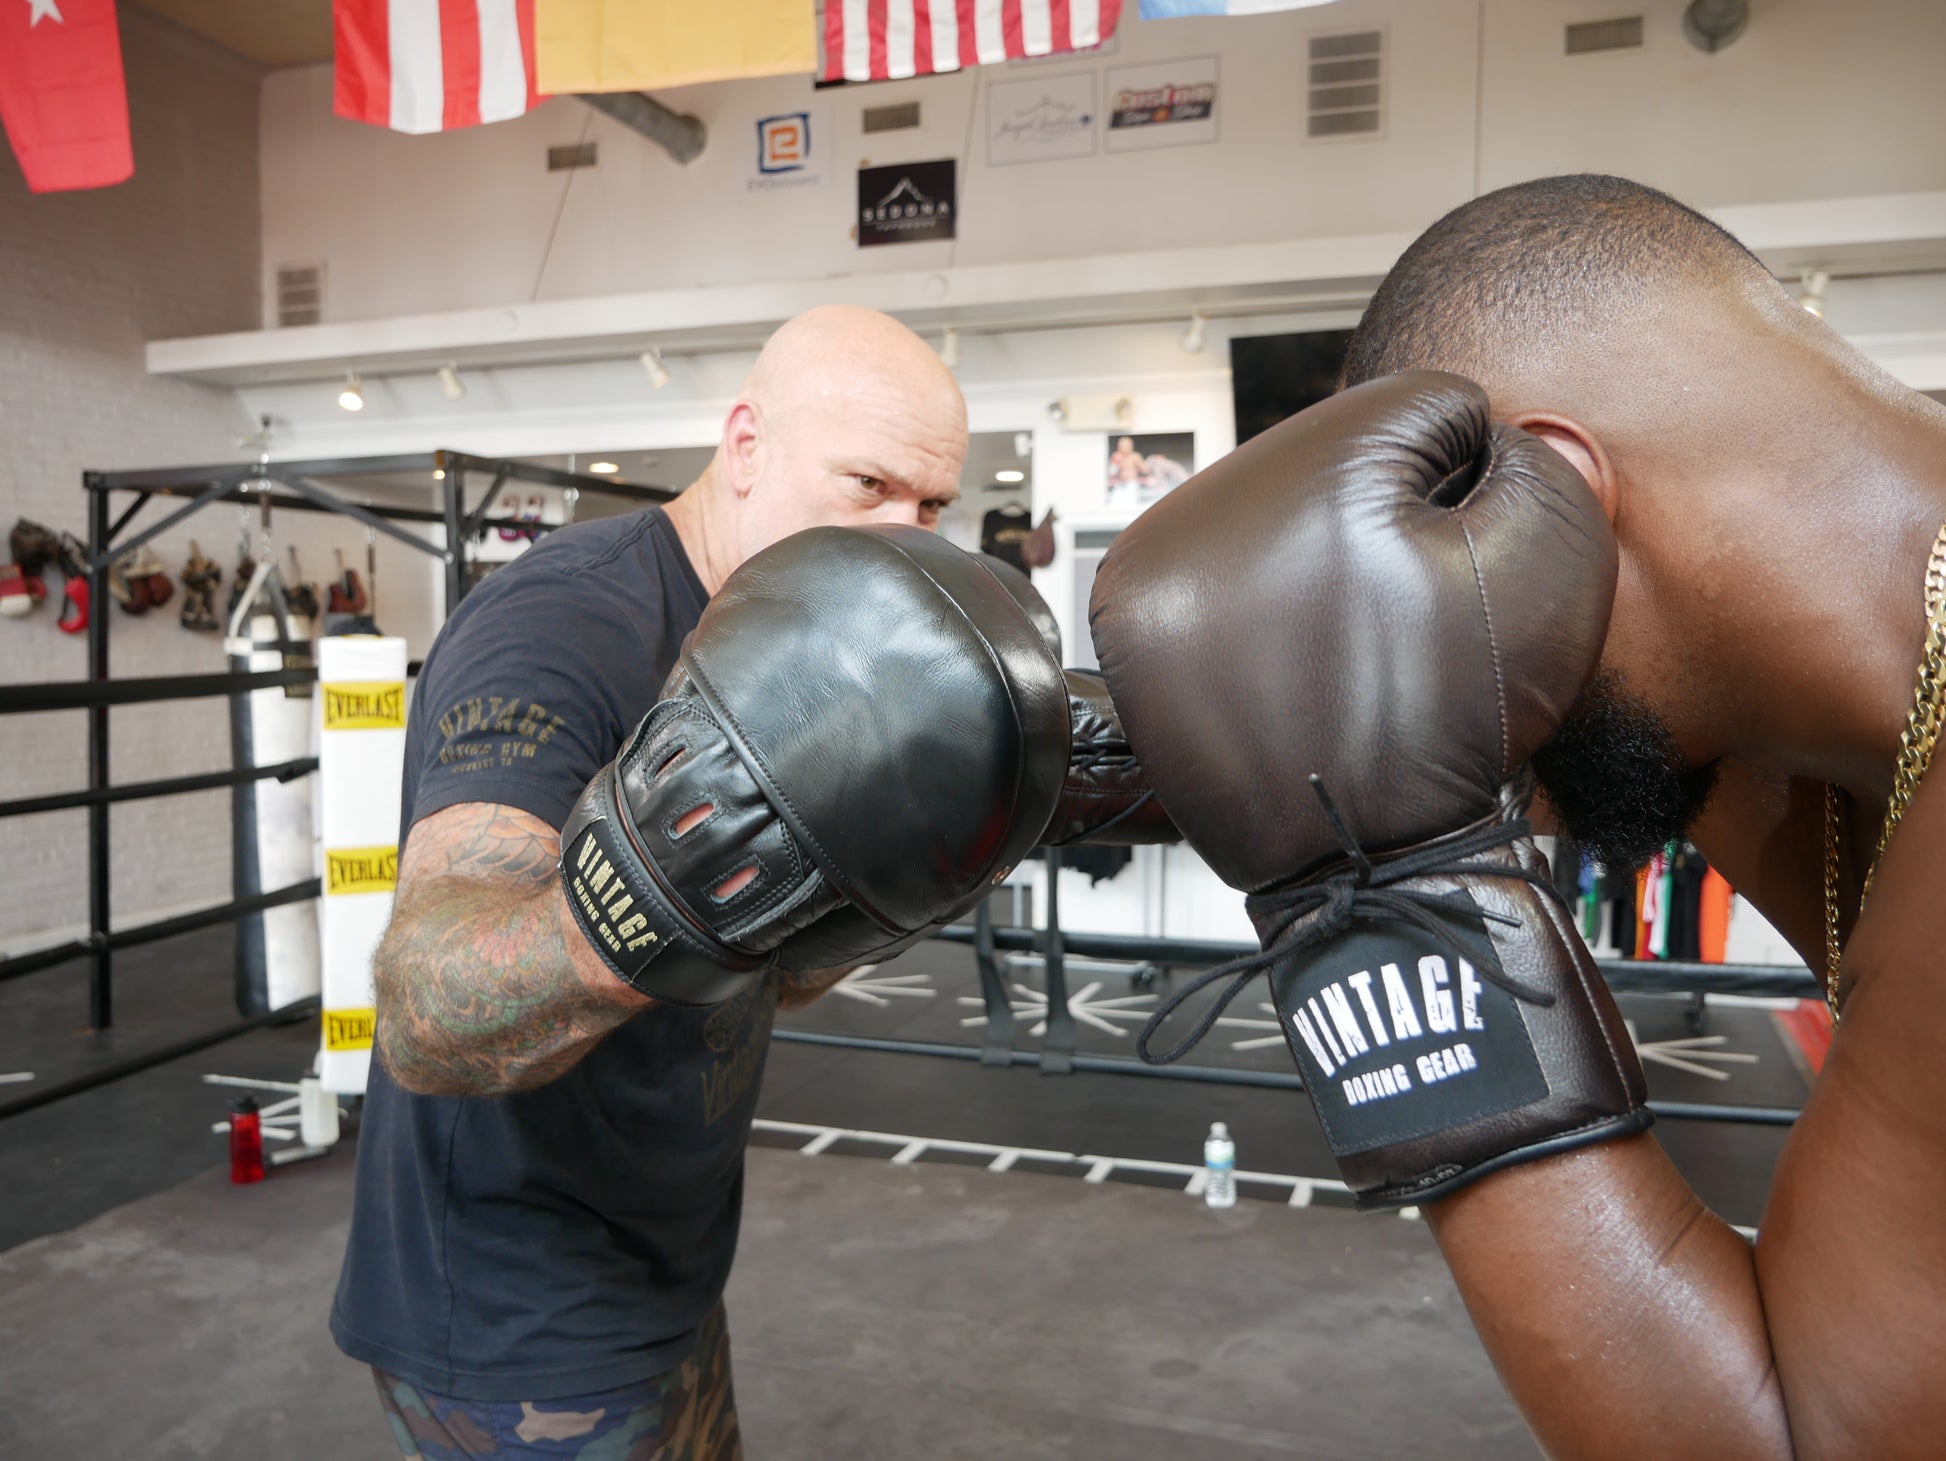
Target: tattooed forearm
{"x": 794, "y": 991}
{"x": 506, "y": 847}
{"x": 482, "y": 989}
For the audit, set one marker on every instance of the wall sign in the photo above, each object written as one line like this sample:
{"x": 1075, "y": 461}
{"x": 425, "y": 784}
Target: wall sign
{"x": 911, "y": 202}
{"x": 789, "y": 152}
{"x": 1038, "y": 120}
{"x": 1169, "y": 104}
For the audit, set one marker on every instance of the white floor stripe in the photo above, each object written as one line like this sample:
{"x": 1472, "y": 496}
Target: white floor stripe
{"x": 904, "y": 1150}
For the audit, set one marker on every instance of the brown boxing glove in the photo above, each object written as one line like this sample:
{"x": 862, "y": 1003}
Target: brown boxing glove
{"x": 1335, "y": 652}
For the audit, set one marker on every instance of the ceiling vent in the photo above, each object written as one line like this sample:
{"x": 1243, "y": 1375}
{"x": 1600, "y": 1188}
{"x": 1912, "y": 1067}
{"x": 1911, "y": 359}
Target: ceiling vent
{"x": 895, "y": 118}
{"x": 300, "y": 294}
{"x": 1346, "y": 96}
{"x": 567, "y": 159}
{"x": 1605, "y": 35}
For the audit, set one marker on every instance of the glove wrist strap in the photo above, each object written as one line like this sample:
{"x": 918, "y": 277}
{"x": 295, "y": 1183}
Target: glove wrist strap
{"x": 640, "y": 930}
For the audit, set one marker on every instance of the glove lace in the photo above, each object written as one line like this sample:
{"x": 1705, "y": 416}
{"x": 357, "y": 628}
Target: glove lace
{"x": 1113, "y": 752}
{"x": 1087, "y": 755}
{"x": 1293, "y": 919}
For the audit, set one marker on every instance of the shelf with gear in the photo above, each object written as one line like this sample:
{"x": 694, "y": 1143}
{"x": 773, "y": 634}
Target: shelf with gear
{"x": 447, "y": 535}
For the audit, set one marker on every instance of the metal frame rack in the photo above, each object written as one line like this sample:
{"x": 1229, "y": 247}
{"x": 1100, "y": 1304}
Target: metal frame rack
{"x": 1057, "y": 1055}
{"x": 278, "y": 486}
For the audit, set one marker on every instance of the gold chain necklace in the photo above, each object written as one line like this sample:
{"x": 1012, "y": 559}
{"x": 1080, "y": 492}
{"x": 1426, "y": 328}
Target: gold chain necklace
{"x": 1916, "y": 741}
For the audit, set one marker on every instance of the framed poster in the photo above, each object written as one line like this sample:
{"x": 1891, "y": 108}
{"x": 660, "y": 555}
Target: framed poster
{"x": 1167, "y": 104}
{"x": 1039, "y": 119}
{"x": 1143, "y": 468}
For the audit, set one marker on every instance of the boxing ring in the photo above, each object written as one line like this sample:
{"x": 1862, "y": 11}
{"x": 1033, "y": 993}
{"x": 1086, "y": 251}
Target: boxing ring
{"x": 292, "y": 486}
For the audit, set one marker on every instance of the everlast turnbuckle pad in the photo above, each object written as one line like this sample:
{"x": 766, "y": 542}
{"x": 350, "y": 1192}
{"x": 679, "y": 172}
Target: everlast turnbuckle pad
{"x": 1400, "y": 1035}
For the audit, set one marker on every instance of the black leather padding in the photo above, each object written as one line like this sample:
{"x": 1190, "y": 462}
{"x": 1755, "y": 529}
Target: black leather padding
{"x": 903, "y": 716}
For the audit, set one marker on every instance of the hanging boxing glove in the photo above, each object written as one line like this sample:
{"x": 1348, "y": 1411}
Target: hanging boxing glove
{"x": 17, "y": 596}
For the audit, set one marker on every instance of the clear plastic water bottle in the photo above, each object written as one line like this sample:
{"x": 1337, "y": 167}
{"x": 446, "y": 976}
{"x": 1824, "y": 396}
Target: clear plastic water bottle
{"x": 1220, "y": 1162}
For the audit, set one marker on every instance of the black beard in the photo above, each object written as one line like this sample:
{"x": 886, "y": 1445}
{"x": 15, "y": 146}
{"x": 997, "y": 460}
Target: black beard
{"x": 1617, "y": 781}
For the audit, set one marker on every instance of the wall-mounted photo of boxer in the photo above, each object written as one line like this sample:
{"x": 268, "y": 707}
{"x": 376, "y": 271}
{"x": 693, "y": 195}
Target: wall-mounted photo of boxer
{"x": 1143, "y": 468}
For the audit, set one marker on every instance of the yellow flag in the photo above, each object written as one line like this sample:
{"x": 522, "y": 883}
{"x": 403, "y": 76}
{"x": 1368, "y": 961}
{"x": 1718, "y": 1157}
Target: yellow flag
{"x": 639, "y": 45}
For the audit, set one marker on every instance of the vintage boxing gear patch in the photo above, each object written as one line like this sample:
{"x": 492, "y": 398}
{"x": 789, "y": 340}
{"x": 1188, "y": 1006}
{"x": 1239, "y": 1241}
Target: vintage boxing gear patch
{"x": 1399, "y": 1035}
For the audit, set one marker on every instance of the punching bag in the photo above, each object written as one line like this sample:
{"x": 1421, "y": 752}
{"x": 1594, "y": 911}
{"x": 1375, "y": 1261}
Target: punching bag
{"x": 277, "y": 949}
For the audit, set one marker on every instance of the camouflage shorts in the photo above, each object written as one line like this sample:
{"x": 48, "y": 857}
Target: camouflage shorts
{"x": 687, "y": 1414}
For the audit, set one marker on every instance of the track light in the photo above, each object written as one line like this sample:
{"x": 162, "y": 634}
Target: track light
{"x": 1815, "y": 283}
{"x": 604, "y": 467}
{"x": 949, "y": 350}
{"x": 1192, "y": 338}
{"x": 449, "y": 381}
{"x": 658, "y": 372}
{"x": 352, "y": 397}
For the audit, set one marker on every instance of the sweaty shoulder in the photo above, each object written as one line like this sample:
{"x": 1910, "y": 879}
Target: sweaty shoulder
{"x": 1863, "y": 1175}
{"x": 535, "y": 680}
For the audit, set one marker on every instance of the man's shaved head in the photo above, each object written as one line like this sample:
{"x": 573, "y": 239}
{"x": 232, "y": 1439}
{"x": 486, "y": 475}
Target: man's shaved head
{"x": 1525, "y": 278}
{"x": 847, "y": 418}
{"x": 828, "y": 356}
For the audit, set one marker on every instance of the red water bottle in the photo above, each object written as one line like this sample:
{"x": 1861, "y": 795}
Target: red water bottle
{"x": 246, "y": 1141}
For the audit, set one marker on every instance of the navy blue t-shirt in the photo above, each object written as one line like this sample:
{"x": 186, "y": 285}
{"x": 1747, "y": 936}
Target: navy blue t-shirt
{"x": 571, "y": 1238}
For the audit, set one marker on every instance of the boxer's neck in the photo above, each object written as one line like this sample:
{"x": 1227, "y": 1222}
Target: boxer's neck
{"x": 1832, "y": 621}
{"x": 706, "y": 531}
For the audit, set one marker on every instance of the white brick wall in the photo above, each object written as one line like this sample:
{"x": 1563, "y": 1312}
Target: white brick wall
{"x": 85, "y": 280}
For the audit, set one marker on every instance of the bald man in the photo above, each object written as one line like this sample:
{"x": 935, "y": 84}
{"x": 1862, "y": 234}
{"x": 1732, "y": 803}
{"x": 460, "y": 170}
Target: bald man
{"x": 542, "y": 1273}
{"x": 1778, "y": 502}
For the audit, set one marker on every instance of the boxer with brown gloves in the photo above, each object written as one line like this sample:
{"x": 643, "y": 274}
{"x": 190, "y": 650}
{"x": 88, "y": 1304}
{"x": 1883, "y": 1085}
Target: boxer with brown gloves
{"x": 1425, "y": 596}
{"x": 1769, "y": 687}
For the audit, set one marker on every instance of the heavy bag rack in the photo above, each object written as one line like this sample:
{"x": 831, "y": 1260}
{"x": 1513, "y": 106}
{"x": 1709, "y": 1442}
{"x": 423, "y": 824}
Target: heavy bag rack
{"x": 291, "y": 486}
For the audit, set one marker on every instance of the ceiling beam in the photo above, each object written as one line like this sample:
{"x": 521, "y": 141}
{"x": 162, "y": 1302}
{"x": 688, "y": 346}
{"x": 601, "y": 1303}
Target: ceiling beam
{"x": 1843, "y": 236}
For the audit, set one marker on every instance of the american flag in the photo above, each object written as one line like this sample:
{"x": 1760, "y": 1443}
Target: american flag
{"x": 885, "y": 40}
{"x": 427, "y": 65}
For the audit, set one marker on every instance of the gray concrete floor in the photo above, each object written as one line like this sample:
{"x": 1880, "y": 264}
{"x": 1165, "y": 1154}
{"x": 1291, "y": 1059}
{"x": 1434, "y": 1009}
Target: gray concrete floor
{"x": 877, "y": 1312}
{"x": 152, "y": 1310}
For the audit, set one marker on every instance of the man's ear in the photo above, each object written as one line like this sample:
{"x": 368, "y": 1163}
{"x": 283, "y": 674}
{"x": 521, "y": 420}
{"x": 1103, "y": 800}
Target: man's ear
{"x": 1581, "y": 447}
{"x": 742, "y": 443}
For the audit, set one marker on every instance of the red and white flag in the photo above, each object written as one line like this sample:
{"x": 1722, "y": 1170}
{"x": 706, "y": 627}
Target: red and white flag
{"x": 427, "y": 65}
{"x": 884, "y": 40}
{"x": 62, "y": 95}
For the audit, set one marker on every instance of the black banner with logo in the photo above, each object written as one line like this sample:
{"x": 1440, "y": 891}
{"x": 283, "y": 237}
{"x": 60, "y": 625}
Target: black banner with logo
{"x": 911, "y": 202}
